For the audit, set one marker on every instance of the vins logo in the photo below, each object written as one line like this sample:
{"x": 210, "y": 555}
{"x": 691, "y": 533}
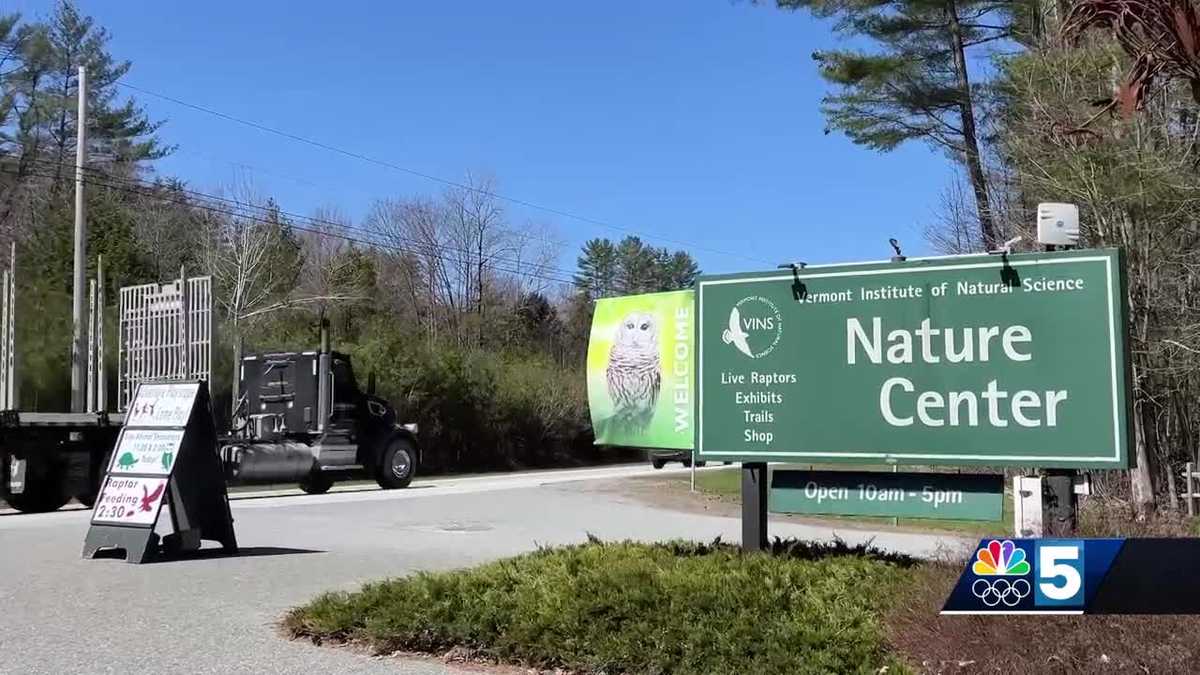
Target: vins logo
{"x": 755, "y": 327}
{"x": 759, "y": 324}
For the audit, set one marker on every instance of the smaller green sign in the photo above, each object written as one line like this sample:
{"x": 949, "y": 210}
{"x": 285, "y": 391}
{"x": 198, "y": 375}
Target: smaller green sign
{"x": 876, "y": 493}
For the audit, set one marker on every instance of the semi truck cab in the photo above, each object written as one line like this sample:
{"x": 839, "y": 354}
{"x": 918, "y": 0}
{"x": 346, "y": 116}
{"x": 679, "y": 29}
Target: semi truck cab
{"x": 301, "y": 416}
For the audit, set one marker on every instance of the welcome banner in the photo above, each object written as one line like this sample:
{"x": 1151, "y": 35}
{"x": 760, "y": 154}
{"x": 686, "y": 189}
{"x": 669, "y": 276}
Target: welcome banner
{"x": 641, "y": 388}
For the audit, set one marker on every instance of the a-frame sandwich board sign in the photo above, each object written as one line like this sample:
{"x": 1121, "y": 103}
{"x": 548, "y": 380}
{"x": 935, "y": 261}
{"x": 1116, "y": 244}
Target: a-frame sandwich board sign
{"x": 166, "y": 452}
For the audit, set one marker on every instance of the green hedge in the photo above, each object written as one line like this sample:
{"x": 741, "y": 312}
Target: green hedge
{"x": 627, "y": 607}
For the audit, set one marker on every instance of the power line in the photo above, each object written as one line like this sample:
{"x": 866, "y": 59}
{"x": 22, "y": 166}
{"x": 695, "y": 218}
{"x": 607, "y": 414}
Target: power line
{"x": 344, "y": 237}
{"x": 379, "y": 239}
{"x": 436, "y": 179}
{"x": 63, "y": 164}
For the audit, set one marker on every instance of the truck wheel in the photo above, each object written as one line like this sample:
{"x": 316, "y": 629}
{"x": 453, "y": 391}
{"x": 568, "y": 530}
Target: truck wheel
{"x": 316, "y": 483}
{"x": 41, "y": 494}
{"x": 397, "y": 465}
{"x": 657, "y": 463}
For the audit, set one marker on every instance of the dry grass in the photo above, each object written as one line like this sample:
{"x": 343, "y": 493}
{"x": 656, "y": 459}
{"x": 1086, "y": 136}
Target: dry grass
{"x": 1044, "y": 644}
{"x": 1033, "y": 644}
{"x": 1115, "y": 518}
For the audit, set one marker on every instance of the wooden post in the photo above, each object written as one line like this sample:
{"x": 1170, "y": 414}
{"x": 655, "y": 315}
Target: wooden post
{"x": 1173, "y": 491}
{"x": 90, "y": 393}
{"x": 1189, "y": 485}
{"x": 693, "y": 472}
{"x": 895, "y": 468}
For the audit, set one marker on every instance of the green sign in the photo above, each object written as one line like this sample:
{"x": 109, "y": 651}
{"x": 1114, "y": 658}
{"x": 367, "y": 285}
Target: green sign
{"x": 640, "y": 364}
{"x": 875, "y": 493}
{"x": 990, "y": 360}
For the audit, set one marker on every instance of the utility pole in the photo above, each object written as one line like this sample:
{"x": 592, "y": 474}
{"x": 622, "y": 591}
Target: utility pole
{"x": 79, "y": 310}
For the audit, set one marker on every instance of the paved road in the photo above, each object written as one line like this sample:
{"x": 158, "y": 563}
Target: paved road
{"x": 450, "y": 484}
{"x": 61, "y": 614}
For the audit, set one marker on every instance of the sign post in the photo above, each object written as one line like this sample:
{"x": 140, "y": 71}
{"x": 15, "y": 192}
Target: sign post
{"x": 1059, "y": 499}
{"x": 754, "y": 506}
{"x": 166, "y": 453}
{"x": 986, "y": 360}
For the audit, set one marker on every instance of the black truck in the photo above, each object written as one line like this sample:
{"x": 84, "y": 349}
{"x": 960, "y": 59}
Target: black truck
{"x": 301, "y": 417}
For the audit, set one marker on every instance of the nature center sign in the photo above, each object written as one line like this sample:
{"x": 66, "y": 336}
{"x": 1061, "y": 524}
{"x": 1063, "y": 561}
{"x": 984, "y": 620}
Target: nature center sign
{"x": 1016, "y": 360}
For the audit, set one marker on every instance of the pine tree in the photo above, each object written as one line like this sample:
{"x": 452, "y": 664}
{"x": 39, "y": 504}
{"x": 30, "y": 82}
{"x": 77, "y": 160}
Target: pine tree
{"x": 39, "y": 88}
{"x": 636, "y": 266}
{"x": 119, "y": 132}
{"x": 597, "y": 269}
{"x": 678, "y": 271}
{"x": 916, "y": 85}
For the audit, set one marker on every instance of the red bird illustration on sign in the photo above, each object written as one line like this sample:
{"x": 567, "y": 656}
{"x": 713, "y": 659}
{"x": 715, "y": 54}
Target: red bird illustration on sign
{"x": 150, "y": 498}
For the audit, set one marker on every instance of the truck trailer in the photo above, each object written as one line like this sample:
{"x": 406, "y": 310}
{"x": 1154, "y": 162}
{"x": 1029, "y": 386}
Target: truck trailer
{"x": 298, "y": 417}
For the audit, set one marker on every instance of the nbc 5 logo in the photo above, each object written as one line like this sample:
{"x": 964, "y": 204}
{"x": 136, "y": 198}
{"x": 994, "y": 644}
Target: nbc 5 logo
{"x": 1059, "y": 565}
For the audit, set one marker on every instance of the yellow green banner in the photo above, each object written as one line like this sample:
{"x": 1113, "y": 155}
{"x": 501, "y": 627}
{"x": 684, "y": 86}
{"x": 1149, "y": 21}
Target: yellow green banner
{"x": 640, "y": 360}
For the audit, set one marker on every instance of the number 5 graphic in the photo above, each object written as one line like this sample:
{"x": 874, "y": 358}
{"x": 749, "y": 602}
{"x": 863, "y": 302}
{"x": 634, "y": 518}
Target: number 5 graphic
{"x": 1060, "y": 573}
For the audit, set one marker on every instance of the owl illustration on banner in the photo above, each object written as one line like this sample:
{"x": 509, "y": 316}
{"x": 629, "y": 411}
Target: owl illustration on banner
{"x": 634, "y": 371}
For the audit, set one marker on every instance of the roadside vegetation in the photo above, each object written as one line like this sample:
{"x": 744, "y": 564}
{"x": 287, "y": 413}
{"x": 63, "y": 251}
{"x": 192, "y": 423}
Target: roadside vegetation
{"x": 636, "y": 608}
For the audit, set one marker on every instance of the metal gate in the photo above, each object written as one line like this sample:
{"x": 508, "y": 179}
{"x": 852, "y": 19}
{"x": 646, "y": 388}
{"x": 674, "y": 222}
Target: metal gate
{"x": 165, "y": 333}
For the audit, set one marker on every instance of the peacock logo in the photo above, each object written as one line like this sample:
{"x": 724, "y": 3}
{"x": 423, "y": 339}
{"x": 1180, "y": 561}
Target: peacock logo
{"x": 1000, "y": 558}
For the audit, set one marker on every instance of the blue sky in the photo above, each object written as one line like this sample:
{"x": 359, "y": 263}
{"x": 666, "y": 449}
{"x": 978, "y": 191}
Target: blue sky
{"x": 687, "y": 121}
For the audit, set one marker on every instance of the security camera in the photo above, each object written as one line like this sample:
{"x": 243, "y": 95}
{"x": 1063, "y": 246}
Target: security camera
{"x": 1057, "y": 224}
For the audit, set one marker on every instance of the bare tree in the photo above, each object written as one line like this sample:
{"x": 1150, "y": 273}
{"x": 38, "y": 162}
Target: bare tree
{"x": 955, "y": 229}
{"x": 480, "y": 235}
{"x": 243, "y": 246}
{"x": 459, "y": 256}
{"x": 332, "y": 273}
{"x": 416, "y": 250}
{"x": 1135, "y": 182}
{"x": 164, "y": 228}
{"x": 247, "y": 248}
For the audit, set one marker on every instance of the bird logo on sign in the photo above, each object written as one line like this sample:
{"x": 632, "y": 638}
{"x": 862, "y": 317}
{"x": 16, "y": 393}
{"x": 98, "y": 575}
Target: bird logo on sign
{"x": 755, "y": 326}
{"x": 734, "y": 335}
{"x": 149, "y": 499}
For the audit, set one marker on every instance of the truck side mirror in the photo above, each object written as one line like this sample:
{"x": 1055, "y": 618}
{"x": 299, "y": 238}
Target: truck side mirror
{"x": 371, "y": 383}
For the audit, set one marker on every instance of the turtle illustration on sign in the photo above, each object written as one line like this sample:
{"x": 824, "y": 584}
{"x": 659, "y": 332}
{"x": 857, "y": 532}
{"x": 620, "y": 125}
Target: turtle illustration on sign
{"x": 167, "y": 458}
{"x": 126, "y": 461}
